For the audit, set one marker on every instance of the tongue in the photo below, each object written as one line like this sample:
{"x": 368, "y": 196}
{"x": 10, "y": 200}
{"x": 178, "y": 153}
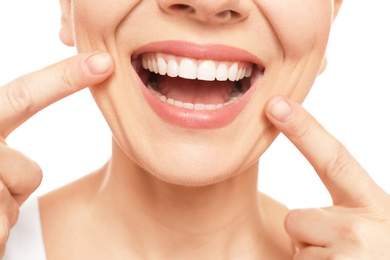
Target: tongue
{"x": 195, "y": 91}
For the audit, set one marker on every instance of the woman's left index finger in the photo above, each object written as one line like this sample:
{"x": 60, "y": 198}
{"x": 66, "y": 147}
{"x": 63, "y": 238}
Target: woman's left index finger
{"x": 347, "y": 182}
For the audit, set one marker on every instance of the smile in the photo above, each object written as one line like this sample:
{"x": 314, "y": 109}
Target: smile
{"x": 205, "y": 90}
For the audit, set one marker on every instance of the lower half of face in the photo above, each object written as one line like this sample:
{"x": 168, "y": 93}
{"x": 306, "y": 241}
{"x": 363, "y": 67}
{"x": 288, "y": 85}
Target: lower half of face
{"x": 186, "y": 101}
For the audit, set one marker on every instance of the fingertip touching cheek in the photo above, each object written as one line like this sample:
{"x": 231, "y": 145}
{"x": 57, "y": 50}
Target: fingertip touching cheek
{"x": 192, "y": 77}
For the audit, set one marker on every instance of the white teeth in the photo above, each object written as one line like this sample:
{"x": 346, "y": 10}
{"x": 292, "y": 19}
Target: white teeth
{"x": 150, "y": 65}
{"x": 145, "y": 64}
{"x": 248, "y": 71}
{"x": 188, "y": 105}
{"x": 232, "y": 73}
{"x": 172, "y": 69}
{"x": 222, "y": 72}
{"x": 207, "y": 70}
{"x": 155, "y": 68}
{"x": 199, "y": 107}
{"x": 192, "y": 106}
{"x": 187, "y": 68}
{"x": 162, "y": 66}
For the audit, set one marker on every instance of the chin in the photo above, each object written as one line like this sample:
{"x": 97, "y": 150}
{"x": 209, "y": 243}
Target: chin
{"x": 194, "y": 169}
{"x": 193, "y": 176}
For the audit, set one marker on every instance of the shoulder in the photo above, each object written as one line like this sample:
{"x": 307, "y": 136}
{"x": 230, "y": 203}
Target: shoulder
{"x": 66, "y": 215}
{"x": 275, "y": 213}
{"x": 25, "y": 240}
{"x": 272, "y": 206}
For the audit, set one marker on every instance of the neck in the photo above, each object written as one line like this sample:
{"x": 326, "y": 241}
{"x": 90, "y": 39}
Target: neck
{"x": 189, "y": 222}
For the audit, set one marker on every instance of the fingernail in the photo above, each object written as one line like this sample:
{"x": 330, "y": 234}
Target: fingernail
{"x": 98, "y": 63}
{"x": 280, "y": 110}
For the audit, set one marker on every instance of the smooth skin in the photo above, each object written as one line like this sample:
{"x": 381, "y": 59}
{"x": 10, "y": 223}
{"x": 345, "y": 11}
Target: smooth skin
{"x": 240, "y": 224}
{"x": 356, "y": 227}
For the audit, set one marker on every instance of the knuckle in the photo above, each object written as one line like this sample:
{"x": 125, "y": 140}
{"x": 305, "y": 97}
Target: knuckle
{"x": 67, "y": 79}
{"x": 34, "y": 169}
{"x": 353, "y": 232}
{"x": 340, "y": 163}
{"x": 19, "y": 96}
{"x": 300, "y": 131}
{"x": 35, "y": 175}
{"x": 22, "y": 178}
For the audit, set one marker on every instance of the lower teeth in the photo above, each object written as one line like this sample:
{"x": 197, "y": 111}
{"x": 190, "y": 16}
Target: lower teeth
{"x": 233, "y": 97}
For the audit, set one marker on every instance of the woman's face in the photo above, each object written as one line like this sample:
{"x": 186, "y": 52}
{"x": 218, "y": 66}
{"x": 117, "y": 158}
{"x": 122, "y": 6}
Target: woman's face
{"x": 192, "y": 77}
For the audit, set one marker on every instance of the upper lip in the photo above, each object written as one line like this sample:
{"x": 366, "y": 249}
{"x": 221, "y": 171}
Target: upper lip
{"x": 215, "y": 52}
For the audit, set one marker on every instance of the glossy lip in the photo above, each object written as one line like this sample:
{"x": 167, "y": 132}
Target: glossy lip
{"x": 200, "y": 119}
{"x": 201, "y": 52}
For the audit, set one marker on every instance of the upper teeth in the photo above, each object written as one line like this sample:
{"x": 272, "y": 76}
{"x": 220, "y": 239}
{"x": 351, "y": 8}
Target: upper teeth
{"x": 187, "y": 68}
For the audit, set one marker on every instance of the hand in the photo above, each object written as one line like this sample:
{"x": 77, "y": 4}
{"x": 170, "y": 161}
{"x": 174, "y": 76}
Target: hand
{"x": 21, "y": 99}
{"x": 357, "y": 226}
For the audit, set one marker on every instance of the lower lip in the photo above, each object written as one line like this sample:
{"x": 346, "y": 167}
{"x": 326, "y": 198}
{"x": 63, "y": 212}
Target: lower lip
{"x": 199, "y": 119}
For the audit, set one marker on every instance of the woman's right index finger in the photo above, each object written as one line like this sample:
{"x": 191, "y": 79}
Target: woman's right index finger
{"x": 25, "y": 96}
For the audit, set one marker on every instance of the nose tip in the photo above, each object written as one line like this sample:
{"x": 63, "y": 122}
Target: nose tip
{"x": 207, "y": 11}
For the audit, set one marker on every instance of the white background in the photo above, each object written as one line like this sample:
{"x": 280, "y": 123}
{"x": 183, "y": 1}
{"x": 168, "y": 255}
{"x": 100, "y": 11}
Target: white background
{"x": 351, "y": 99}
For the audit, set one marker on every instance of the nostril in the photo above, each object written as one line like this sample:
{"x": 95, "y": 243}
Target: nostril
{"x": 207, "y": 11}
{"x": 182, "y": 7}
{"x": 227, "y": 14}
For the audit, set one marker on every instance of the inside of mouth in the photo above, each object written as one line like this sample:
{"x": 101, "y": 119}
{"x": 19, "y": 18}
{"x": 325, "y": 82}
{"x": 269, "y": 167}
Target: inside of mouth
{"x": 194, "y": 93}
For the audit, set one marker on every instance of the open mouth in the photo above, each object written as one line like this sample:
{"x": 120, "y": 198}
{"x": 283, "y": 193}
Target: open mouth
{"x": 196, "y": 92}
{"x": 195, "y": 84}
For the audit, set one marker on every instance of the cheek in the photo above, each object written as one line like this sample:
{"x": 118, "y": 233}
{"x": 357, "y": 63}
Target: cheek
{"x": 302, "y": 28}
{"x": 96, "y": 21}
{"x": 301, "y": 25}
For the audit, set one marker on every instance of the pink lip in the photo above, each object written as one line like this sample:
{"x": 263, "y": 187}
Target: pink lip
{"x": 201, "y": 52}
{"x": 200, "y": 119}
